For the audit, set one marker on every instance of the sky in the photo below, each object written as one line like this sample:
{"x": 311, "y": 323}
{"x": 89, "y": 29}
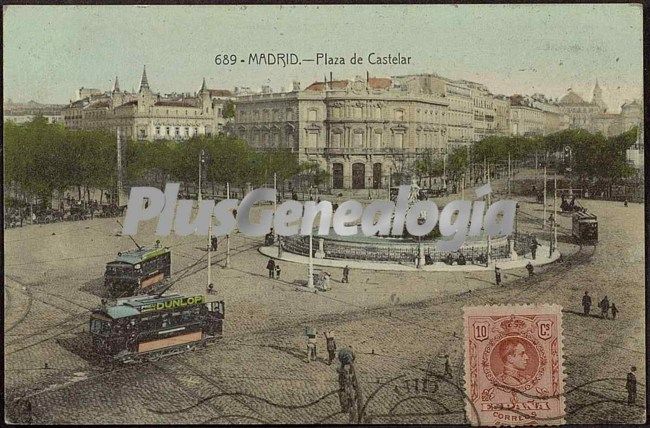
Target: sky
{"x": 51, "y": 51}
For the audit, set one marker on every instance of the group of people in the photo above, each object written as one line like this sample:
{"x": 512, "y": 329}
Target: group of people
{"x": 330, "y": 345}
{"x": 604, "y": 305}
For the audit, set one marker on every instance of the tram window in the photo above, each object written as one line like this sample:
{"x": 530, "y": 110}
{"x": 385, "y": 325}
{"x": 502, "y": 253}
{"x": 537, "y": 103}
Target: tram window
{"x": 96, "y": 326}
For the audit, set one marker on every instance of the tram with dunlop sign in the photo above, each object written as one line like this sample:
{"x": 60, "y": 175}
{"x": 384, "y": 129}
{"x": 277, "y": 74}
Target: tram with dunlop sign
{"x": 138, "y": 271}
{"x": 146, "y": 328}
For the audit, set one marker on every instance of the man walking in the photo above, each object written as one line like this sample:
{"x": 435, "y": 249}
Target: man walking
{"x": 530, "y": 269}
{"x": 311, "y": 345}
{"x": 497, "y": 275}
{"x": 346, "y": 274}
{"x": 586, "y": 303}
{"x": 270, "y": 265}
{"x": 604, "y": 307}
{"x": 331, "y": 347}
{"x": 533, "y": 248}
{"x": 614, "y": 311}
{"x": 214, "y": 243}
{"x": 630, "y": 385}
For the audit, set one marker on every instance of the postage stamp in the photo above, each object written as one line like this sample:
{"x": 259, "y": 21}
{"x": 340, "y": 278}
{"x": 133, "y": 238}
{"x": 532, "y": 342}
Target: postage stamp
{"x": 514, "y": 365}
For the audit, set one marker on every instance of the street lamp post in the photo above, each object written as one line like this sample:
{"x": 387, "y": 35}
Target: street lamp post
{"x": 201, "y": 160}
{"x": 210, "y": 251}
{"x": 487, "y": 172}
{"x": 310, "y": 279}
{"x": 544, "y": 224}
{"x": 554, "y": 212}
{"x": 228, "y": 235}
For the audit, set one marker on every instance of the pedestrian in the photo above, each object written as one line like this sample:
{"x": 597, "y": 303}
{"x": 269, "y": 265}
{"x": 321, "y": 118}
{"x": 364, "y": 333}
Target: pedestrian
{"x": 630, "y": 385}
{"x": 311, "y": 345}
{"x": 604, "y": 307}
{"x": 614, "y": 311}
{"x": 270, "y": 265}
{"x": 497, "y": 275}
{"x": 277, "y": 271}
{"x": 625, "y": 203}
{"x": 533, "y": 247}
{"x": 448, "y": 372}
{"x": 214, "y": 243}
{"x": 331, "y": 347}
{"x": 530, "y": 269}
{"x": 586, "y": 303}
{"x": 210, "y": 288}
{"x": 346, "y": 274}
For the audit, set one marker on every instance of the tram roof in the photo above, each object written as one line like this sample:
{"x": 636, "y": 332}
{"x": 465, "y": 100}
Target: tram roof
{"x": 138, "y": 256}
{"x": 584, "y": 216}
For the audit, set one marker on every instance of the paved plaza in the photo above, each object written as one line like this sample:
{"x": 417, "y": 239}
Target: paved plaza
{"x": 400, "y": 324}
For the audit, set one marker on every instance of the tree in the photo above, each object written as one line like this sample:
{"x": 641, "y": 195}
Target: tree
{"x": 229, "y": 110}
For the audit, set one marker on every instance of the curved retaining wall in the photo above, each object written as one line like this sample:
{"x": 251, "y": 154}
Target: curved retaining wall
{"x": 401, "y": 252}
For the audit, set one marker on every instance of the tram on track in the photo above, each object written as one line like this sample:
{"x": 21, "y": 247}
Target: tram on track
{"x": 138, "y": 271}
{"x": 585, "y": 227}
{"x": 146, "y": 328}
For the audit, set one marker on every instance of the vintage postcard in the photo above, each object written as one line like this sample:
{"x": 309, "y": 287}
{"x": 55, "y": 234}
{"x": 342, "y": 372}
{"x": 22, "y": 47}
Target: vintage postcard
{"x": 305, "y": 214}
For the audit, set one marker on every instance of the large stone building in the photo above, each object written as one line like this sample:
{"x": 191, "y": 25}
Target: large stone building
{"x": 26, "y": 112}
{"x": 460, "y": 114}
{"x": 359, "y": 130}
{"x": 595, "y": 117}
{"x": 536, "y": 115}
{"x": 146, "y": 115}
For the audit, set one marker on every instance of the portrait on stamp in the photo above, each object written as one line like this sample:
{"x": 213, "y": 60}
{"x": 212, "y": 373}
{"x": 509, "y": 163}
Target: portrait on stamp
{"x": 513, "y": 365}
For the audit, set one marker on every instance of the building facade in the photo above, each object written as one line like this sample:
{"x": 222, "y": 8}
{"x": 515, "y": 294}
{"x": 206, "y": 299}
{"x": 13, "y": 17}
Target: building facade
{"x": 146, "y": 115}
{"x": 361, "y": 130}
{"x": 26, "y": 112}
{"x": 460, "y": 114}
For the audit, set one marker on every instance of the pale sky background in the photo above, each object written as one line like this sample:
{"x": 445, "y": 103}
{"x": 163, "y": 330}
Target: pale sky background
{"x": 51, "y": 51}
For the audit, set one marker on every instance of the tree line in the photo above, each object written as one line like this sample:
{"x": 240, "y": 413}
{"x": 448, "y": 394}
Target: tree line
{"x": 576, "y": 152}
{"x": 42, "y": 158}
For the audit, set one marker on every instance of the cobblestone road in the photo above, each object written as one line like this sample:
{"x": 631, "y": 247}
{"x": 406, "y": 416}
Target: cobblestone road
{"x": 398, "y": 324}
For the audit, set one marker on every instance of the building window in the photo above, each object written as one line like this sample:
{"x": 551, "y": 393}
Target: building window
{"x": 167, "y": 129}
{"x": 178, "y": 131}
{"x": 378, "y": 140}
{"x": 399, "y": 115}
{"x": 157, "y": 130}
{"x": 187, "y": 130}
{"x": 399, "y": 140}
{"x": 336, "y": 112}
{"x": 377, "y": 112}
{"x": 313, "y": 139}
{"x": 336, "y": 140}
{"x": 358, "y": 139}
{"x": 312, "y": 115}
{"x": 357, "y": 112}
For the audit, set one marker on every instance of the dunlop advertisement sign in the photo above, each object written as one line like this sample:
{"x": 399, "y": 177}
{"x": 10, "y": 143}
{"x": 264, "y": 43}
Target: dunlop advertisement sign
{"x": 172, "y": 304}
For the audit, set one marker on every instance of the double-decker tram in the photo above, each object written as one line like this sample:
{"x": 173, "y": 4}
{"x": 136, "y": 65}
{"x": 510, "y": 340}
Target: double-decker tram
{"x": 138, "y": 271}
{"x": 149, "y": 327}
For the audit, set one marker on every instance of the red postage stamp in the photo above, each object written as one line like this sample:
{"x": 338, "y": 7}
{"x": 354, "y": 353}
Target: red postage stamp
{"x": 514, "y": 365}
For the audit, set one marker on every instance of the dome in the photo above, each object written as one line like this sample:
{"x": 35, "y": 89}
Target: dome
{"x": 572, "y": 98}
